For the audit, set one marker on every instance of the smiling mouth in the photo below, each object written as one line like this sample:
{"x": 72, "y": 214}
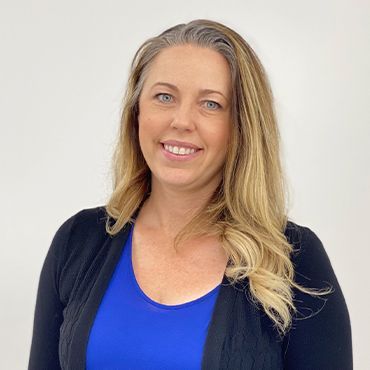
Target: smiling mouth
{"x": 179, "y": 150}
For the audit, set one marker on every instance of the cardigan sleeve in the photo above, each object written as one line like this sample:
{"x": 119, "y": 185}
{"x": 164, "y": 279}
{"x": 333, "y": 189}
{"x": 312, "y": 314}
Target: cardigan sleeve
{"x": 48, "y": 312}
{"x": 320, "y": 336}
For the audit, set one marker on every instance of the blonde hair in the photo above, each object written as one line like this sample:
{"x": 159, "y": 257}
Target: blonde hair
{"x": 247, "y": 210}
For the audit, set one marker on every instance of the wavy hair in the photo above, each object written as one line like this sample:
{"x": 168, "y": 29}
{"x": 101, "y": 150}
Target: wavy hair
{"x": 247, "y": 212}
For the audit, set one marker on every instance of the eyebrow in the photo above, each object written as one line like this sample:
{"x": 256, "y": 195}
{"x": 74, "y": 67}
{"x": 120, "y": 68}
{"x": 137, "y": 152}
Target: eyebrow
{"x": 202, "y": 91}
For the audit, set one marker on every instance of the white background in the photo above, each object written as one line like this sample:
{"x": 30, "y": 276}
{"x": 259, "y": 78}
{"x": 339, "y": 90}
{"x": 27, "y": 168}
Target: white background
{"x": 63, "y": 71}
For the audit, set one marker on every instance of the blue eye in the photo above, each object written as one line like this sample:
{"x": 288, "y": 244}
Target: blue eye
{"x": 166, "y": 97}
{"x": 213, "y": 105}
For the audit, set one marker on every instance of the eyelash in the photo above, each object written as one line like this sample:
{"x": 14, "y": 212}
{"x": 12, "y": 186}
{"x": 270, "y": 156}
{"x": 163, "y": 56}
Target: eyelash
{"x": 212, "y": 101}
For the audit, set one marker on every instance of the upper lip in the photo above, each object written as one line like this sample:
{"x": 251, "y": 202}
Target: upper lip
{"x": 183, "y": 144}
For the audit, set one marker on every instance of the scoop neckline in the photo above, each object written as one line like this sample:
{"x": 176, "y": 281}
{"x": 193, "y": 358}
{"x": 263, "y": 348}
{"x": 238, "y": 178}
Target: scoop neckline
{"x": 151, "y": 301}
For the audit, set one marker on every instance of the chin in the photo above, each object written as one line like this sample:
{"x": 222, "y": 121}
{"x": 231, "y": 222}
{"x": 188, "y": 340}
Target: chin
{"x": 176, "y": 180}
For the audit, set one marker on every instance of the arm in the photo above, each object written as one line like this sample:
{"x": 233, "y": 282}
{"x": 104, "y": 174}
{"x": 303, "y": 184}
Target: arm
{"x": 320, "y": 337}
{"x": 48, "y": 315}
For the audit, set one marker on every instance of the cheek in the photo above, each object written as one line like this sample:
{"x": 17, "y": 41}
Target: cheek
{"x": 223, "y": 143}
{"x": 153, "y": 125}
{"x": 145, "y": 127}
{"x": 149, "y": 133}
{"x": 219, "y": 137}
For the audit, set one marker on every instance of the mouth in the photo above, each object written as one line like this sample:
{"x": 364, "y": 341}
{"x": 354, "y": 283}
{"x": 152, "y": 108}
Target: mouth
{"x": 174, "y": 152}
{"x": 180, "y": 150}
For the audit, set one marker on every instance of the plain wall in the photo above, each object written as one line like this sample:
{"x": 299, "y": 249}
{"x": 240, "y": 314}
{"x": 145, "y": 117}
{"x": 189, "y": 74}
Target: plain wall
{"x": 63, "y": 71}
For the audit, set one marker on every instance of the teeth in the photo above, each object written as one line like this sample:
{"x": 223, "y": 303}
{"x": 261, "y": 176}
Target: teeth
{"x": 179, "y": 150}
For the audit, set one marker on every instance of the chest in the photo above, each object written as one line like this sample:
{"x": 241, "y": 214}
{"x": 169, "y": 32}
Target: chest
{"x": 236, "y": 337}
{"x": 174, "y": 277}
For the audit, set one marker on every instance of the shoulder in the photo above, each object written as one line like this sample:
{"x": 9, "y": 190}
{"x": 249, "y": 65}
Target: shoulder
{"x": 86, "y": 224}
{"x": 75, "y": 245}
{"x": 82, "y": 220}
{"x": 79, "y": 225}
{"x": 71, "y": 236}
{"x": 309, "y": 256}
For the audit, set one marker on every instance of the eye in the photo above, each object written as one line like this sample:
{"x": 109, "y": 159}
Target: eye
{"x": 212, "y": 105}
{"x": 164, "y": 98}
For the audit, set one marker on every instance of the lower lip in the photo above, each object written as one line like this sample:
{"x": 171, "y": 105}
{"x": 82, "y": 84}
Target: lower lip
{"x": 180, "y": 157}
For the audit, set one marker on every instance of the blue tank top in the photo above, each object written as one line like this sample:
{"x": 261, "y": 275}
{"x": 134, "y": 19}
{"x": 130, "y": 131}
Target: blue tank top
{"x": 133, "y": 332}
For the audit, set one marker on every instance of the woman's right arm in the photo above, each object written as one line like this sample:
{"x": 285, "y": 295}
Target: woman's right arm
{"x": 48, "y": 314}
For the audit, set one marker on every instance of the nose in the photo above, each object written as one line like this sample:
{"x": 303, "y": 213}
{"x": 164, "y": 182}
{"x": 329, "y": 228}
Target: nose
{"x": 183, "y": 118}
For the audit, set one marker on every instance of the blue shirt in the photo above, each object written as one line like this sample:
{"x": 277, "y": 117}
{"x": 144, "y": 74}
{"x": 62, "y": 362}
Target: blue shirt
{"x": 131, "y": 331}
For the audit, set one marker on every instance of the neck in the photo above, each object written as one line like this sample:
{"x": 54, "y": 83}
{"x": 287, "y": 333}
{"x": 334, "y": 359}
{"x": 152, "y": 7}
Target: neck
{"x": 168, "y": 209}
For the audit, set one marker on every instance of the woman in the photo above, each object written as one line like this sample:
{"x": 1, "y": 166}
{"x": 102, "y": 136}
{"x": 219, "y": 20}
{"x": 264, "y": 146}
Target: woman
{"x": 192, "y": 264}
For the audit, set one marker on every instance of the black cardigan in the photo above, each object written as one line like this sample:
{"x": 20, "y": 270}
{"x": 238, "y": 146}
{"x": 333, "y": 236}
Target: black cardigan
{"x": 80, "y": 262}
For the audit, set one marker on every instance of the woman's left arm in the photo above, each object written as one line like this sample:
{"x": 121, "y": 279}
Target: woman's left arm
{"x": 320, "y": 337}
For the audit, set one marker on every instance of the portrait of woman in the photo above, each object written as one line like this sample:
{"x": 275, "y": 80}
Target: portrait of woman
{"x": 193, "y": 263}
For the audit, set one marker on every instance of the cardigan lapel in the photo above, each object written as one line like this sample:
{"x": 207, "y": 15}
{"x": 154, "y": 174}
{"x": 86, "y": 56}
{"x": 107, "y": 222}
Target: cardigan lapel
{"x": 219, "y": 326}
{"x": 80, "y": 336}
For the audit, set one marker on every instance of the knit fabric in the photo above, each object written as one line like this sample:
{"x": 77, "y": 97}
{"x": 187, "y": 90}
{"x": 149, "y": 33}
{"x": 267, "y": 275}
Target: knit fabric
{"x": 82, "y": 258}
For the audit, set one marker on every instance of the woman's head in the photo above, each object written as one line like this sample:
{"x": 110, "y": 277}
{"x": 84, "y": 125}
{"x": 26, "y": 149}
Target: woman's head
{"x": 252, "y": 166}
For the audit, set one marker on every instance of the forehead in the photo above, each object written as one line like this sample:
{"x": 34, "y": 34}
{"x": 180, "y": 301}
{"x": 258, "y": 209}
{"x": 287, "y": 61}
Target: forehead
{"x": 189, "y": 65}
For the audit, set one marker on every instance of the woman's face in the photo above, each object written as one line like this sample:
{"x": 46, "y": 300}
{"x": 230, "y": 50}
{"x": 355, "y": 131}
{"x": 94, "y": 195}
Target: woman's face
{"x": 185, "y": 117}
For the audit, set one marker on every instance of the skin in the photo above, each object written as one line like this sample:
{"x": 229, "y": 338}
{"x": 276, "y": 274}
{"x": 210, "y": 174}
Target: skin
{"x": 185, "y": 114}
